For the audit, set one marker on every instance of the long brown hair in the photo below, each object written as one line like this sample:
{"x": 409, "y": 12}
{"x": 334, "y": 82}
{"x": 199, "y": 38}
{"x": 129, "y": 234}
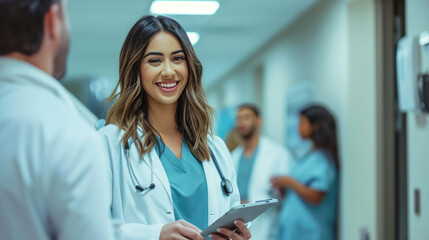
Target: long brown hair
{"x": 324, "y": 137}
{"x": 130, "y": 111}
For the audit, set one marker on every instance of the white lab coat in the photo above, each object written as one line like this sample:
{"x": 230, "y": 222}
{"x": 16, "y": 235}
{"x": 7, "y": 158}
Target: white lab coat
{"x": 50, "y": 185}
{"x": 143, "y": 214}
{"x": 271, "y": 160}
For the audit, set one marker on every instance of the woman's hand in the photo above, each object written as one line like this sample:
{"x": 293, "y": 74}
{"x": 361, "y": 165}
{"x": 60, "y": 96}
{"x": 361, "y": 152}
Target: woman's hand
{"x": 312, "y": 196}
{"x": 281, "y": 182}
{"x": 180, "y": 230}
{"x": 242, "y": 233}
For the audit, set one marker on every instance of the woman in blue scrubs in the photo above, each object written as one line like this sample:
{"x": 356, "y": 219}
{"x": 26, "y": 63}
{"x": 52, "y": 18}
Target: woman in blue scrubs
{"x": 310, "y": 206}
{"x": 164, "y": 183}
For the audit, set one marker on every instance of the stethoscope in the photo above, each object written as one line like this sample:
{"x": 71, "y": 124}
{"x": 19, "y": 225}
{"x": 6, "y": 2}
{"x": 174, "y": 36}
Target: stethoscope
{"x": 225, "y": 183}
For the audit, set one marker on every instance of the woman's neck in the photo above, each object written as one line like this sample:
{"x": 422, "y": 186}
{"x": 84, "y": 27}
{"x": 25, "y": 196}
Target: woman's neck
{"x": 163, "y": 118}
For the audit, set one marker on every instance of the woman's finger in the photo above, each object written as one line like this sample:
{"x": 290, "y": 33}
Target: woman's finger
{"x": 190, "y": 231}
{"x": 229, "y": 234}
{"x": 189, "y": 225}
{"x": 244, "y": 231}
{"x": 215, "y": 236}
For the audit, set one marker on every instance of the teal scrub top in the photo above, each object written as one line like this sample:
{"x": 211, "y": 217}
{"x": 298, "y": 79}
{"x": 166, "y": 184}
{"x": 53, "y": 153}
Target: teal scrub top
{"x": 188, "y": 185}
{"x": 300, "y": 220}
{"x": 244, "y": 171}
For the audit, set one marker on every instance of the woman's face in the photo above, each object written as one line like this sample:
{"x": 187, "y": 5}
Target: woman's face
{"x": 164, "y": 69}
{"x": 304, "y": 127}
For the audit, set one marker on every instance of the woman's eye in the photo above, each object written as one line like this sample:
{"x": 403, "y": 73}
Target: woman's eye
{"x": 178, "y": 59}
{"x": 154, "y": 60}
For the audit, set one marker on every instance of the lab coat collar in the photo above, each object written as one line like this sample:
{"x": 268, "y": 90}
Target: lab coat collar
{"x": 213, "y": 184}
{"x": 152, "y": 160}
{"x": 17, "y": 71}
{"x": 212, "y": 178}
{"x": 159, "y": 172}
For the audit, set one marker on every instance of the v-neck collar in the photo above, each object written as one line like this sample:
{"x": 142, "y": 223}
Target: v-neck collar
{"x": 164, "y": 153}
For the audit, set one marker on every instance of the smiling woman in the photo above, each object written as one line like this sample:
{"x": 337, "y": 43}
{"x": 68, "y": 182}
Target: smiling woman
{"x": 157, "y": 51}
{"x": 165, "y": 165}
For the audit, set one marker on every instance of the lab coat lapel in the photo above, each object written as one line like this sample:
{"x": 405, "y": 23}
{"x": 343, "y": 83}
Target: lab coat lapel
{"x": 260, "y": 164}
{"x": 213, "y": 187}
{"x": 159, "y": 173}
{"x": 158, "y": 169}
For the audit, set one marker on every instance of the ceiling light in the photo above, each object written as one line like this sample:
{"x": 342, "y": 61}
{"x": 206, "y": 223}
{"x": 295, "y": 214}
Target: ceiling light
{"x": 193, "y": 37}
{"x": 185, "y": 7}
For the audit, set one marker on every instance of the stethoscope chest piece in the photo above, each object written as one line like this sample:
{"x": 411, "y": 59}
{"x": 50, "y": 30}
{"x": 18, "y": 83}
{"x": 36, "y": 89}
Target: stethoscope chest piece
{"x": 226, "y": 187}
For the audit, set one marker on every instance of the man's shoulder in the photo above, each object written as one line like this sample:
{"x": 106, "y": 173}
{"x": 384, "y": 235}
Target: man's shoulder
{"x": 111, "y": 130}
{"x": 237, "y": 152}
{"x": 272, "y": 145}
{"x": 30, "y": 100}
{"x": 38, "y": 109}
{"x": 268, "y": 141}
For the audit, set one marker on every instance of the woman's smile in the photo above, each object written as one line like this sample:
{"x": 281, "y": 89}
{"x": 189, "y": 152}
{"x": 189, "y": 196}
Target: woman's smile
{"x": 167, "y": 86}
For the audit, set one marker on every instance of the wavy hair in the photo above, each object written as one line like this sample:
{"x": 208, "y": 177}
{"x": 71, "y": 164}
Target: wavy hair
{"x": 324, "y": 137}
{"x": 130, "y": 110}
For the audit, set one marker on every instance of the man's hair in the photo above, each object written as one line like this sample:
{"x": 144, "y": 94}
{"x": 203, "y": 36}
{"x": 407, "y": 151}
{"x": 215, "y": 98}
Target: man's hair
{"x": 21, "y": 25}
{"x": 252, "y": 107}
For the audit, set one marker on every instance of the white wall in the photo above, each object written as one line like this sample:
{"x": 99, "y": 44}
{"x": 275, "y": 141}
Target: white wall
{"x": 417, "y": 21}
{"x": 331, "y": 46}
{"x": 274, "y": 86}
{"x": 360, "y": 145}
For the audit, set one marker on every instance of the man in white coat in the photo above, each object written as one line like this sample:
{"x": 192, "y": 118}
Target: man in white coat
{"x": 256, "y": 161}
{"x": 52, "y": 179}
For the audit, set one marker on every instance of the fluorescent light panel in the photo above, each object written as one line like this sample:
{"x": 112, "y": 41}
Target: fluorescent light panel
{"x": 185, "y": 7}
{"x": 193, "y": 37}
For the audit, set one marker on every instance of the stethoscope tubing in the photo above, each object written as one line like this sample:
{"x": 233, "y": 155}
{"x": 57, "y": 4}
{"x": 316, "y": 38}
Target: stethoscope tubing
{"x": 225, "y": 183}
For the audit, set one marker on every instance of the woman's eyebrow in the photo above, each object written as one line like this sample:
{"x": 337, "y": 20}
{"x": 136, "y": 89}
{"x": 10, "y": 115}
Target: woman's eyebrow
{"x": 153, "y": 53}
{"x": 177, "y": 51}
{"x": 160, "y": 54}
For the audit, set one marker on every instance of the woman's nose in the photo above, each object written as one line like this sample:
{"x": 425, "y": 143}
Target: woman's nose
{"x": 167, "y": 71}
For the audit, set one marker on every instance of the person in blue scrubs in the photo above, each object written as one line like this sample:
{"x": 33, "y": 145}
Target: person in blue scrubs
{"x": 310, "y": 205}
{"x": 164, "y": 183}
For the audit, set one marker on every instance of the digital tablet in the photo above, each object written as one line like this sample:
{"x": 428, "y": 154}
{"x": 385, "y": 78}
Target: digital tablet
{"x": 244, "y": 212}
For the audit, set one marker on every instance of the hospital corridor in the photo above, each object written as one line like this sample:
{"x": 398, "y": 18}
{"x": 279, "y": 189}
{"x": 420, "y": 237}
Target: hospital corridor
{"x": 214, "y": 119}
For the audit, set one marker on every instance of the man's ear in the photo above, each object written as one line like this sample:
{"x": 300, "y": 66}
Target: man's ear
{"x": 52, "y": 22}
{"x": 259, "y": 121}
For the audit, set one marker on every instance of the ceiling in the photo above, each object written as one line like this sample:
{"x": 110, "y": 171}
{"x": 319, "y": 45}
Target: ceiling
{"x": 238, "y": 29}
